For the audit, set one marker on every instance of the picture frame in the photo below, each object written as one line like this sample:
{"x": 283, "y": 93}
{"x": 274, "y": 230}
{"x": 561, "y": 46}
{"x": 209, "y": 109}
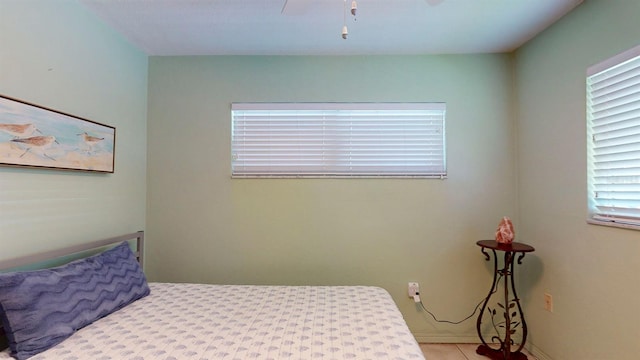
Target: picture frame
{"x": 38, "y": 137}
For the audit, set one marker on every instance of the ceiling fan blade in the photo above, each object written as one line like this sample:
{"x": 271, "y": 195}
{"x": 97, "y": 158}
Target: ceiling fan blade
{"x": 296, "y": 7}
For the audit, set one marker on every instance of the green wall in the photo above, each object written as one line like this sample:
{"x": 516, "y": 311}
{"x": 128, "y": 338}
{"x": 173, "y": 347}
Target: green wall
{"x": 204, "y": 226}
{"x": 591, "y": 271}
{"x": 58, "y": 55}
{"x": 516, "y": 147}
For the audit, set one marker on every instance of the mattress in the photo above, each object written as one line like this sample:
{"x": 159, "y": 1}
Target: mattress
{"x": 239, "y": 322}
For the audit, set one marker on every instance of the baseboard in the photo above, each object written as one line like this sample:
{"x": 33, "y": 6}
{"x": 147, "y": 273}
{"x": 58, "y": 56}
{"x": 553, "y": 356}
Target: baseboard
{"x": 539, "y": 354}
{"x": 425, "y": 338}
{"x": 451, "y": 339}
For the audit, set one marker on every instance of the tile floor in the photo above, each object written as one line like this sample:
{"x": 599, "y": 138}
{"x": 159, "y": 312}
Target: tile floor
{"x": 455, "y": 352}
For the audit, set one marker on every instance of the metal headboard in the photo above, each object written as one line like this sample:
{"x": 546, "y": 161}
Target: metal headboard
{"x": 53, "y": 254}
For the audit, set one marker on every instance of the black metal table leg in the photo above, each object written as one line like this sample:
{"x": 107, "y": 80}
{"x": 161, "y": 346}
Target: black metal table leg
{"x": 507, "y": 317}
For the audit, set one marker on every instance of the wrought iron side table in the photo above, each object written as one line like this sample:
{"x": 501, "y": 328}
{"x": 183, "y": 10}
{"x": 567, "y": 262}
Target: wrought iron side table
{"x": 507, "y": 318}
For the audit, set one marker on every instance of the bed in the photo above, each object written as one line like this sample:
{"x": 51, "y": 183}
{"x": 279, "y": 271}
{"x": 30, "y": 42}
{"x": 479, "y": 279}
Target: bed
{"x": 188, "y": 321}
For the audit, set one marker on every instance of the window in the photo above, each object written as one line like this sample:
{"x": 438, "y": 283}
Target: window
{"x": 338, "y": 140}
{"x": 613, "y": 140}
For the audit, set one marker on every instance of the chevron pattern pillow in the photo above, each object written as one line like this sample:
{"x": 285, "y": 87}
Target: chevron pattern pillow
{"x": 41, "y": 308}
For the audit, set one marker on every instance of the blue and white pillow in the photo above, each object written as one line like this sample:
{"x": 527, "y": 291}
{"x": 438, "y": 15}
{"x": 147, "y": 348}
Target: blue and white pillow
{"x": 41, "y": 308}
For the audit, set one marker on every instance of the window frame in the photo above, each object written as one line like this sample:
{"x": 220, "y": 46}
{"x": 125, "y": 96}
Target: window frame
{"x": 335, "y": 114}
{"x": 599, "y": 216}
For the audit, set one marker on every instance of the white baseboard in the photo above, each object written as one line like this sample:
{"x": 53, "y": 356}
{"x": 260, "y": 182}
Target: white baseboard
{"x": 425, "y": 338}
{"x": 440, "y": 339}
{"x": 539, "y": 354}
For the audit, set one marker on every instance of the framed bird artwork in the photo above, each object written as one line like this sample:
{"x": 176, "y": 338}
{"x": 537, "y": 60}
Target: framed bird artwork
{"x": 36, "y": 136}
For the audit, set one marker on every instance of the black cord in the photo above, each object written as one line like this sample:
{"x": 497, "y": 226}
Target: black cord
{"x": 465, "y": 319}
{"x": 451, "y": 322}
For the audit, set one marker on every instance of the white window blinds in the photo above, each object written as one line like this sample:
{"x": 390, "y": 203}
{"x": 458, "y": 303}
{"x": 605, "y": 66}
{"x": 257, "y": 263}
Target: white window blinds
{"x": 613, "y": 126}
{"x": 338, "y": 139}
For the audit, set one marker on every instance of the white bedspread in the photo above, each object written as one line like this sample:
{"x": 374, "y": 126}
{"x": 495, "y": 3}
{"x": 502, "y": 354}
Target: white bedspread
{"x": 235, "y": 322}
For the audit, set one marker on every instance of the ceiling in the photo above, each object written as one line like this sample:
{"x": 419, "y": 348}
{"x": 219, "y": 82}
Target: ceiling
{"x": 313, "y": 27}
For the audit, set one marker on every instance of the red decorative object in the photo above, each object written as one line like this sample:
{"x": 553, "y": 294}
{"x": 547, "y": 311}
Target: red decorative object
{"x": 505, "y": 233}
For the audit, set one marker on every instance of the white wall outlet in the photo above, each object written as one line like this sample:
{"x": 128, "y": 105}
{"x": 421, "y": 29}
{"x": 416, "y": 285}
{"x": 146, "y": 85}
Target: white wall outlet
{"x": 413, "y": 289}
{"x": 548, "y": 302}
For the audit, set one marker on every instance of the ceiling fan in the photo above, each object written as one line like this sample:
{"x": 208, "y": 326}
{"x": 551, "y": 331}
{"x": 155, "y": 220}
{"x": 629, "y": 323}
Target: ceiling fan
{"x": 299, "y": 7}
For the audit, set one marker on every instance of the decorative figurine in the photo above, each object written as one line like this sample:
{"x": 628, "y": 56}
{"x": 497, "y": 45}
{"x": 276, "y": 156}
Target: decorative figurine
{"x": 505, "y": 233}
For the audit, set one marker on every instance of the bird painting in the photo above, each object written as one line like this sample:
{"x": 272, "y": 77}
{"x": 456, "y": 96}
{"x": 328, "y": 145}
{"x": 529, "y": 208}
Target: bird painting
{"x": 36, "y": 136}
{"x": 37, "y": 143}
{"x": 18, "y": 130}
{"x": 90, "y": 141}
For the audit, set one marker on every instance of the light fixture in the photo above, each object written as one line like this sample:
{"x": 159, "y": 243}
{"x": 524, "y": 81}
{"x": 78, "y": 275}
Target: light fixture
{"x": 354, "y": 8}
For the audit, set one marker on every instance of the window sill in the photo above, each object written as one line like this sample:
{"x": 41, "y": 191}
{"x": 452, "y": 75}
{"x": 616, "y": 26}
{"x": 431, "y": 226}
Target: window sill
{"x": 613, "y": 224}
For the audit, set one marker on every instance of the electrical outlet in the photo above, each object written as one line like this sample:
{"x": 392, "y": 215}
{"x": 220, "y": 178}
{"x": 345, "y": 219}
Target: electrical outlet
{"x": 413, "y": 289}
{"x": 548, "y": 302}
